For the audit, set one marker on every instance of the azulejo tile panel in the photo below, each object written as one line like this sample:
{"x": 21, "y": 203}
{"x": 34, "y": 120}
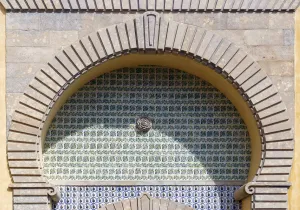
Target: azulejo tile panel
{"x": 198, "y": 197}
{"x": 197, "y": 133}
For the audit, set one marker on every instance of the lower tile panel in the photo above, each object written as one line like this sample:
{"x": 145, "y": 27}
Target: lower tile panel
{"x": 198, "y": 197}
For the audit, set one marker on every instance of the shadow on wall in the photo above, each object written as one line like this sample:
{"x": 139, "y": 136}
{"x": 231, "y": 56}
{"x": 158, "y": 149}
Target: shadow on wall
{"x": 197, "y": 133}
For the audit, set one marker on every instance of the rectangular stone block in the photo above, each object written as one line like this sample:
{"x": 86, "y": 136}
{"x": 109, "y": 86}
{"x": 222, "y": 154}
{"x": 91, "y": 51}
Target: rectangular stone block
{"x": 278, "y": 68}
{"x": 171, "y": 35}
{"x": 48, "y": 4}
{"x": 38, "y": 95}
{"x": 283, "y": 84}
{"x": 29, "y": 179}
{"x": 264, "y": 37}
{"x": 27, "y": 38}
{"x": 61, "y": 39}
{"x": 21, "y": 137}
{"x": 12, "y": 100}
{"x": 285, "y": 135}
{"x": 273, "y": 190}
{"x": 71, "y": 54}
{"x": 89, "y": 48}
{"x": 15, "y": 126}
{"x": 275, "y": 170}
{"x": 274, "y": 178}
{"x": 246, "y": 63}
{"x": 99, "y": 5}
{"x": 235, "y": 36}
{"x": 204, "y": 44}
{"x": 281, "y": 21}
{"x": 286, "y": 145}
{"x": 49, "y": 82}
{"x": 22, "y": 155}
{"x": 189, "y": 36}
{"x": 181, "y": 32}
{"x": 114, "y": 37}
{"x": 270, "y": 197}
{"x": 254, "y": 4}
{"x": 288, "y": 37}
{"x": 212, "y": 47}
{"x": 194, "y": 5}
{"x": 282, "y": 162}
{"x": 60, "y": 21}
{"x": 17, "y": 147}
{"x": 23, "y": 21}
{"x": 82, "y": 54}
{"x": 186, "y": 4}
{"x": 247, "y": 21}
{"x": 23, "y": 164}
{"x": 105, "y": 42}
{"x": 108, "y": 4}
{"x": 279, "y": 154}
{"x": 270, "y": 205}
{"x": 94, "y": 39}
{"x": 16, "y": 85}
{"x": 220, "y": 4}
{"x": 271, "y": 53}
{"x": 32, "y": 54}
{"x": 18, "y": 117}
{"x": 30, "y": 192}
{"x": 23, "y": 70}
{"x": 31, "y": 207}
{"x": 31, "y": 199}
{"x": 121, "y": 28}
{"x": 203, "y": 5}
{"x": 227, "y": 56}
{"x": 207, "y": 20}
{"x": 125, "y": 5}
{"x": 22, "y": 171}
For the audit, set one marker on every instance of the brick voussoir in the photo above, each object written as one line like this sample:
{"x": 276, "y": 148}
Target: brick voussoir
{"x": 21, "y": 137}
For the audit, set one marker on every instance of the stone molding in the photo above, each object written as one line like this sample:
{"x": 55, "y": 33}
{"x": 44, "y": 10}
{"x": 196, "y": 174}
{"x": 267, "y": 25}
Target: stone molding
{"x": 149, "y": 33}
{"x": 151, "y": 5}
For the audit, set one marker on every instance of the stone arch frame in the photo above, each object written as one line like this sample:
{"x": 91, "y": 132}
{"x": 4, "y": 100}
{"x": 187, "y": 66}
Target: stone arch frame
{"x": 150, "y": 34}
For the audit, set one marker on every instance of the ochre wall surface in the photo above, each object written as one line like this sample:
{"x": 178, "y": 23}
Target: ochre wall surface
{"x": 5, "y": 194}
{"x": 294, "y": 192}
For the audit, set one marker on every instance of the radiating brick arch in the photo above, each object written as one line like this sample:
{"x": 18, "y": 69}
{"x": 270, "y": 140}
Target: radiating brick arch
{"x": 151, "y": 5}
{"x": 151, "y": 34}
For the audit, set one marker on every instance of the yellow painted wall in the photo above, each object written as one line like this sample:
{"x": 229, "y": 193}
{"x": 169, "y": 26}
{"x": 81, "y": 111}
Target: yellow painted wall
{"x": 5, "y": 180}
{"x": 294, "y": 192}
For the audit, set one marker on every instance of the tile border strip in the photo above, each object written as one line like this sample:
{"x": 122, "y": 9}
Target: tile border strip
{"x": 150, "y": 34}
{"x": 143, "y": 183}
{"x": 151, "y": 5}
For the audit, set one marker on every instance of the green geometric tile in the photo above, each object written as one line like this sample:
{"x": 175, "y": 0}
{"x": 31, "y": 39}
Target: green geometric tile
{"x": 197, "y": 133}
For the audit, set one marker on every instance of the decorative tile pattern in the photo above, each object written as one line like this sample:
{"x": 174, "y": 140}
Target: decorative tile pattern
{"x": 198, "y": 197}
{"x": 197, "y": 133}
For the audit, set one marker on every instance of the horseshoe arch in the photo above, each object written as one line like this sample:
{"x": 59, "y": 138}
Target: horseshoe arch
{"x": 151, "y": 40}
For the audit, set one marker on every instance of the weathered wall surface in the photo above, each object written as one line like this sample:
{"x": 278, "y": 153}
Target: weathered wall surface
{"x": 34, "y": 38}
